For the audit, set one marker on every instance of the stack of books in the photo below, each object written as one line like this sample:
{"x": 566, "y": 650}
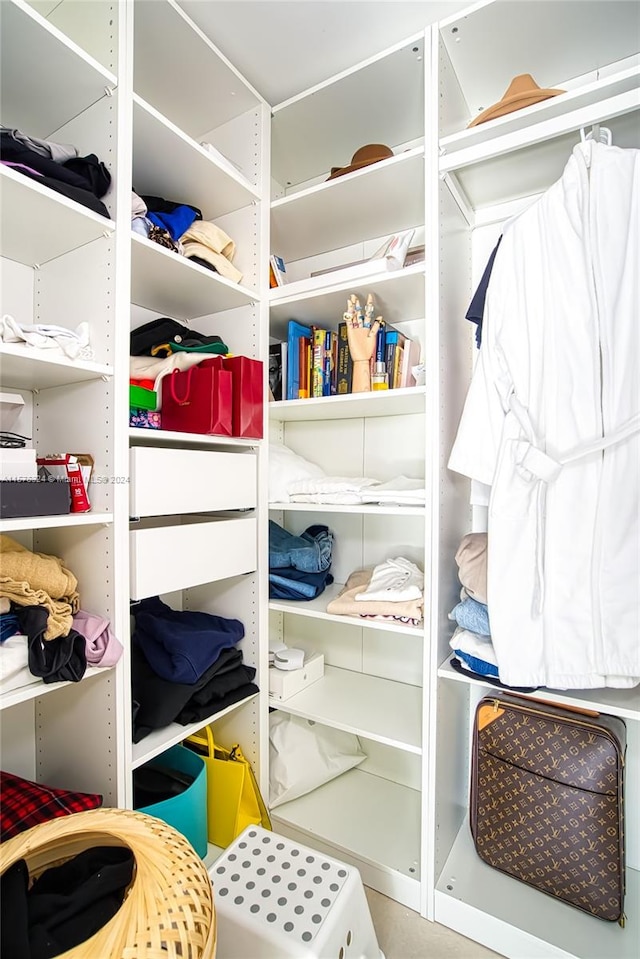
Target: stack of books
{"x": 316, "y": 362}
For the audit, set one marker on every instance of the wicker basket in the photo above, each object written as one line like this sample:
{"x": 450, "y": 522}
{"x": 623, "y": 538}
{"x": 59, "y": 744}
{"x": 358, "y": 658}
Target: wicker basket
{"x": 168, "y": 911}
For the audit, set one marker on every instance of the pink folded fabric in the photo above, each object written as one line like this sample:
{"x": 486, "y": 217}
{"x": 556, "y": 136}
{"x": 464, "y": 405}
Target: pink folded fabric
{"x": 102, "y": 647}
{"x": 472, "y": 565}
{"x": 345, "y": 603}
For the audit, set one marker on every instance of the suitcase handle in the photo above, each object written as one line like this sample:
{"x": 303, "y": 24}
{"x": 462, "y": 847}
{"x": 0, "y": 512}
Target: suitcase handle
{"x": 545, "y": 702}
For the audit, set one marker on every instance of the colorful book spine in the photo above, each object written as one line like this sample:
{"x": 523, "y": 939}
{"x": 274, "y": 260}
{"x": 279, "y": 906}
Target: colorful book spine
{"x": 317, "y": 376}
{"x": 295, "y": 332}
{"x": 345, "y": 363}
{"x": 304, "y": 355}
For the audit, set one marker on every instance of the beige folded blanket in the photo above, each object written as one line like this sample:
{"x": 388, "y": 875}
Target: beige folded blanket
{"x": 471, "y": 558}
{"x": 36, "y": 579}
{"x": 345, "y": 603}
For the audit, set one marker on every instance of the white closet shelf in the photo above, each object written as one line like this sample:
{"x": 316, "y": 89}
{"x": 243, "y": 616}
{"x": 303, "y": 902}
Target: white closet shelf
{"x": 208, "y": 92}
{"x": 66, "y": 521}
{"x": 161, "y": 739}
{"x": 321, "y": 128}
{"x": 342, "y": 813}
{"x": 40, "y": 103}
{"x": 527, "y": 161}
{"x": 38, "y": 225}
{"x": 489, "y": 138}
{"x": 317, "y": 609}
{"x": 624, "y": 703}
{"x": 366, "y": 508}
{"x": 399, "y": 296}
{"x": 169, "y": 438}
{"x": 29, "y": 368}
{"x": 169, "y": 283}
{"x": 472, "y": 895}
{"x": 352, "y": 701}
{"x": 168, "y": 163}
{"x": 37, "y": 688}
{"x": 351, "y": 405}
{"x": 382, "y": 198}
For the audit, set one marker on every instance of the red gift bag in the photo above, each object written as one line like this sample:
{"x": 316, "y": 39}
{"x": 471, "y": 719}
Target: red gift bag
{"x": 198, "y": 400}
{"x": 248, "y": 395}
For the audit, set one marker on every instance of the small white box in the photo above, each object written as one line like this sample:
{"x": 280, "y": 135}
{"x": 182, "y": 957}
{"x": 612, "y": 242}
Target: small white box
{"x": 283, "y": 684}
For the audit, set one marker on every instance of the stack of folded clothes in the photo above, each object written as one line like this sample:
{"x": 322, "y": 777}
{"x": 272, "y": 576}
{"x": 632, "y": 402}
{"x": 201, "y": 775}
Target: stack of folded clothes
{"x": 179, "y": 227}
{"x": 474, "y": 653}
{"x": 58, "y": 167}
{"x": 185, "y": 666}
{"x": 299, "y": 565}
{"x": 392, "y": 592}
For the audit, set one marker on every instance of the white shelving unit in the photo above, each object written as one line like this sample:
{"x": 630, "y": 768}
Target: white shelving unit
{"x": 169, "y": 125}
{"x": 374, "y": 670}
{"x": 401, "y": 816}
{"x": 59, "y": 267}
{"x": 487, "y": 174}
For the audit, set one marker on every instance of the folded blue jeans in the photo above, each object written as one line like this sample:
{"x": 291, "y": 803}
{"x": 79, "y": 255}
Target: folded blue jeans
{"x": 310, "y": 552}
{"x": 295, "y": 585}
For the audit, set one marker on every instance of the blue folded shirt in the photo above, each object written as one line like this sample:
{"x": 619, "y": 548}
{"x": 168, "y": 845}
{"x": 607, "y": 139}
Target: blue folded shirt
{"x": 472, "y": 615}
{"x": 180, "y": 645}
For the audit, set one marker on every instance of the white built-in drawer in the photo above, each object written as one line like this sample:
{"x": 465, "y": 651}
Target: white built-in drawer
{"x": 167, "y": 556}
{"x": 171, "y": 481}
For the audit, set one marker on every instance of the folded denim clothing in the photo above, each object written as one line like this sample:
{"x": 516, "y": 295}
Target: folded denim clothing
{"x": 345, "y": 603}
{"x": 293, "y": 584}
{"x": 310, "y": 552}
{"x": 476, "y": 665}
{"x": 471, "y": 558}
{"x": 491, "y": 680}
{"x": 472, "y": 615}
{"x": 396, "y": 581}
{"x": 181, "y": 645}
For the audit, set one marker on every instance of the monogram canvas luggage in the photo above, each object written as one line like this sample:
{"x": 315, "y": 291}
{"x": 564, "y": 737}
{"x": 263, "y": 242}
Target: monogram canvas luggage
{"x": 546, "y": 800}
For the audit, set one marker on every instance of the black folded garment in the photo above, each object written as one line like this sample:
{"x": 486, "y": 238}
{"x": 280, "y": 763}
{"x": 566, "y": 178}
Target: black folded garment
{"x": 93, "y": 172}
{"x": 159, "y": 701}
{"x": 165, "y": 330}
{"x": 66, "y": 905}
{"x": 63, "y": 659}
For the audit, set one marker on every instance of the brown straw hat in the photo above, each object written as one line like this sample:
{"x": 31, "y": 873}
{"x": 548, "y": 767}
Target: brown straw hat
{"x": 371, "y": 153}
{"x": 523, "y": 91}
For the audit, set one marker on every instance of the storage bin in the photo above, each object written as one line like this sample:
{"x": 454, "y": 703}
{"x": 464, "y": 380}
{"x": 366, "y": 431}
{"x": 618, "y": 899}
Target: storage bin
{"x": 167, "y": 556}
{"x": 141, "y": 398}
{"x": 34, "y": 498}
{"x": 186, "y": 812}
{"x": 322, "y": 912}
{"x": 167, "y": 481}
{"x": 145, "y": 419}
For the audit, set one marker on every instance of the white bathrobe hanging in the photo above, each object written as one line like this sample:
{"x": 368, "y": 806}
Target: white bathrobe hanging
{"x": 552, "y": 424}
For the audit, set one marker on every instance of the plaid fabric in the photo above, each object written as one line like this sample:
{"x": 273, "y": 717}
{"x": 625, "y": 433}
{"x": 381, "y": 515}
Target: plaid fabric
{"x": 24, "y": 804}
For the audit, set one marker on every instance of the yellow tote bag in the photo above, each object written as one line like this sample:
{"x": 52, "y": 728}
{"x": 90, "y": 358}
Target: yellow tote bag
{"x": 233, "y": 796}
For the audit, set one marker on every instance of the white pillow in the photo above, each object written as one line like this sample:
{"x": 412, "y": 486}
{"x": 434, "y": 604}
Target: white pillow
{"x": 304, "y": 755}
{"x": 285, "y": 467}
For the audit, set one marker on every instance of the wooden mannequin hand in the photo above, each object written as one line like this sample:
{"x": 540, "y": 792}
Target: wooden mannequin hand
{"x": 362, "y": 342}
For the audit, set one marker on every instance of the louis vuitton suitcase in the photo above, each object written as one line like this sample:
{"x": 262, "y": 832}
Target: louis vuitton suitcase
{"x": 546, "y": 799}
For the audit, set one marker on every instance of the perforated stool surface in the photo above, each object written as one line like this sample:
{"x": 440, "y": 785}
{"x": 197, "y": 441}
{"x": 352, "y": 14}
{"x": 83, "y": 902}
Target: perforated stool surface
{"x": 276, "y": 899}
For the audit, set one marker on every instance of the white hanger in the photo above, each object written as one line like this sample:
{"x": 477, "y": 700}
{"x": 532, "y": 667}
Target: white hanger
{"x": 598, "y": 134}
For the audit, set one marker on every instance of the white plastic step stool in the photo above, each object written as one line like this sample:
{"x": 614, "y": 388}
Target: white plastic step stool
{"x": 275, "y": 899}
